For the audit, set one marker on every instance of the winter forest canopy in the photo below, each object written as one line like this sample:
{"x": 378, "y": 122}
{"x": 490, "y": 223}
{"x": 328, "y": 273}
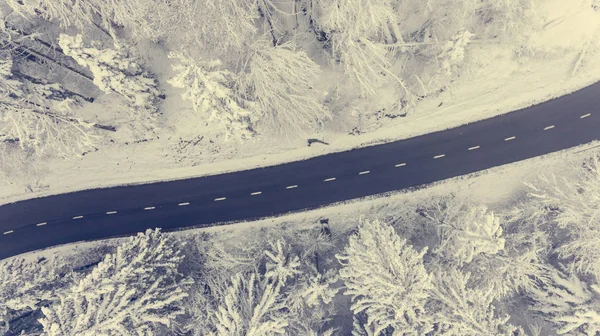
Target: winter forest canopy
{"x": 247, "y": 68}
{"x": 79, "y": 76}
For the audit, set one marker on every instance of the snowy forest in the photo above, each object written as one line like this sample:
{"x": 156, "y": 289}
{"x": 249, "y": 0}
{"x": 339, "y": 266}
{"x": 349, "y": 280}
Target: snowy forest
{"x": 448, "y": 268}
{"x": 81, "y": 77}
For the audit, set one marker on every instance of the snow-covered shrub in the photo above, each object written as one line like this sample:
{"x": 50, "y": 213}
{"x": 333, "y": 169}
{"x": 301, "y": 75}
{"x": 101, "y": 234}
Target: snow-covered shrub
{"x": 570, "y": 304}
{"x": 466, "y": 311}
{"x": 116, "y": 70}
{"x": 134, "y": 290}
{"x": 386, "y": 279}
{"x": 282, "y": 82}
{"x": 453, "y": 52}
{"x": 208, "y": 87}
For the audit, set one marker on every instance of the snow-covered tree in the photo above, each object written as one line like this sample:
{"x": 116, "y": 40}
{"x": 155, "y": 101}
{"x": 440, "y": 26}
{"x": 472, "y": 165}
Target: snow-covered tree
{"x": 26, "y": 284}
{"x": 255, "y": 304}
{"x": 519, "y": 266}
{"x": 570, "y": 304}
{"x": 208, "y": 86}
{"x": 134, "y": 290}
{"x": 35, "y": 116}
{"x": 116, "y": 70}
{"x": 466, "y": 311}
{"x": 226, "y": 26}
{"x": 354, "y": 36}
{"x": 310, "y": 301}
{"x": 574, "y": 205}
{"x": 386, "y": 279}
{"x": 466, "y": 232}
{"x": 283, "y": 82}
{"x": 146, "y": 19}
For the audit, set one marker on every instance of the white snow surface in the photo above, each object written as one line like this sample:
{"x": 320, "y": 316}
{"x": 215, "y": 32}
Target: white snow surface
{"x": 497, "y": 82}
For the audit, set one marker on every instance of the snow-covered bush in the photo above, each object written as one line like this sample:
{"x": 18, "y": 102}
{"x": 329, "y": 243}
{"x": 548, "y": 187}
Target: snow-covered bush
{"x": 453, "y": 52}
{"x": 386, "y": 279}
{"x": 567, "y": 302}
{"x": 134, "y": 290}
{"x": 116, "y": 70}
{"x": 208, "y": 87}
{"x": 283, "y": 82}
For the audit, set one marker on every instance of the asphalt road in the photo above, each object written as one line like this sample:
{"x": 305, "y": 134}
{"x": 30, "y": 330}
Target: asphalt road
{"x": 551, "y": 126}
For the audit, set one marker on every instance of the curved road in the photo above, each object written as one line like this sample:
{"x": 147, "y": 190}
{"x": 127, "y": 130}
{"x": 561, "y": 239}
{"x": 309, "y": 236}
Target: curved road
{"x": 551, "y": 126}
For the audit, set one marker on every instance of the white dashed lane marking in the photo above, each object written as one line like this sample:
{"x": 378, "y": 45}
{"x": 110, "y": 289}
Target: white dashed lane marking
{"x": 183, "y": 204}
{"x": 585, "y": 115}
{"x": 548, "y": 127}
{"x": 364, "y": 172}
{"x": 8, "y": 232}
{"x": 400, "y": 165}
{"x": 475, "y": 147}
{"x": 256, "y": 193}
{"x": 41, "y": 224}
{"x": 511, "y": 138}
{"x": 292, "y": 186}
{"x": 149, "y": 208}
{"x": 439, "y": 156}
{"x": 111, "y": 212}
{"x": 78, "y": 217}
{"x": 220, "y": 199}
{"x": 329, "y": 179}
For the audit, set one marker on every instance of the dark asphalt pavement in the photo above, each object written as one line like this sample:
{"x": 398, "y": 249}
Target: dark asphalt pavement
{"x": 575, "y": 117}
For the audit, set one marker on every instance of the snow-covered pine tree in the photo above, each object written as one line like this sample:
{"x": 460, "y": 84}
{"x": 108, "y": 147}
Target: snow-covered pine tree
{"x": 134, "y": 290}
{"x": 568, "y": 303}
{"x": 310, "y": 301}
{"x": 208, "y": 87}
{"x": 465, "y": 311}
{"x": 283, "y": 82}
{"x": 470, "y": 233}
{"x": 25, "y": 284}
{"x": 573, "y": 204}
{"x": 116, "y": 70}
{"x": 255, "y": 304}
{"x": 386, "y": 279}
{"x": 35, "y": 116}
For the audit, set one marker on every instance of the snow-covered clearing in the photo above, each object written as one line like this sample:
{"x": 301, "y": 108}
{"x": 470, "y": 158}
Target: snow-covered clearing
{"x": 496, "y": 82}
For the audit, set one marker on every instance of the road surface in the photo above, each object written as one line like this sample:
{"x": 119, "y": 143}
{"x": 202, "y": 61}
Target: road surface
{"x": 551, "y": 126}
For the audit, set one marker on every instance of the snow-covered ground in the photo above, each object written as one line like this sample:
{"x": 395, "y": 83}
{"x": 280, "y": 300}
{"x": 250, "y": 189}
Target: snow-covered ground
{"x": 496, "y": 82}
